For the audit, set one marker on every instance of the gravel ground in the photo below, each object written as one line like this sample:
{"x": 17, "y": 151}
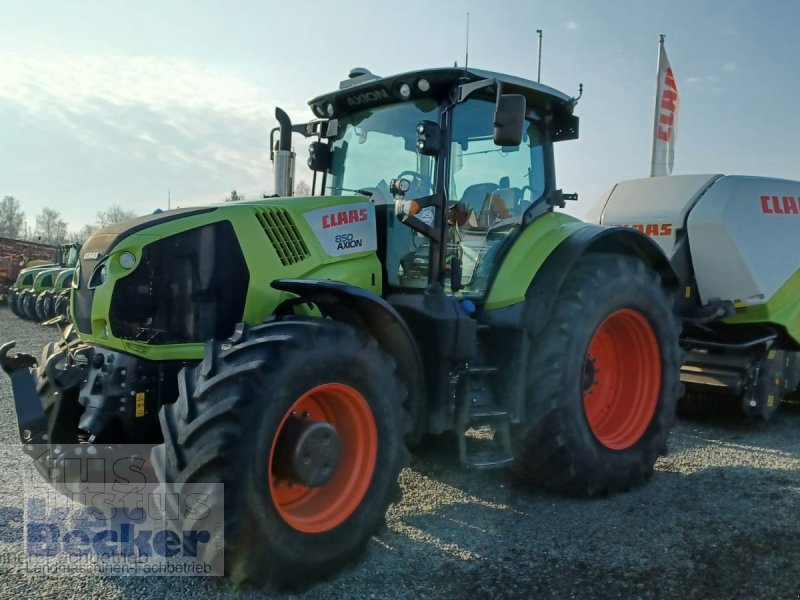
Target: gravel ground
{"x": 717, "y": 520}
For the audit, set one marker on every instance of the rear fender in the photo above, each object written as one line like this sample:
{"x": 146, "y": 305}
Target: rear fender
{"x": 542, "y": 257}
{"x": 531, "y": 277}
{"x": 525, "y": 255}
{"x": 592, "y": 239}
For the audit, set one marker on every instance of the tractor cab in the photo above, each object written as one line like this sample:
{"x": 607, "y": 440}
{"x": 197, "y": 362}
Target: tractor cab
{"x": 456, "y": 162}
{"x": 67, "y": 255}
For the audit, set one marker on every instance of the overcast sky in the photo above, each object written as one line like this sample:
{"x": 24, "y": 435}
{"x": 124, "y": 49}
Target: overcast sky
{"x": 117, "y": 102}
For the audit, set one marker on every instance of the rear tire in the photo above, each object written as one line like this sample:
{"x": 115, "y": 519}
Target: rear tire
{"x": 604, "y": 379}
{"x": 235, "y": 405}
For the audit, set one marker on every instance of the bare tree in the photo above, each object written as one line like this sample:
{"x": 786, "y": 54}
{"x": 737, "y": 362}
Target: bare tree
{"x": 12, "y": 219}
{"x": 50, "y": 227}
{"x": 114, "y": 214}
{"x": 83, "y": 234}
{"x": 234, "y": 197}
{"x": 302, "y": 189}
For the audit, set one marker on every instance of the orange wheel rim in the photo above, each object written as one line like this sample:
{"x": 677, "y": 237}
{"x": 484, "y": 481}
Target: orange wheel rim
{"x": 320, "y": 509}
{"x": 622, "y": 379}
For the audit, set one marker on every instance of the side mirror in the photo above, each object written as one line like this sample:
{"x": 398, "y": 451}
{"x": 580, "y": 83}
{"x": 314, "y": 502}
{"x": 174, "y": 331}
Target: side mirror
{"x": 509, "y": 118}
{"x": 429, "y": 138}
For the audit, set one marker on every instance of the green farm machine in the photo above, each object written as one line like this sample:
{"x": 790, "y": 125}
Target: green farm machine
{"x": 53, "y": 301}
{"x": 38, "y": 291}
{"x": 293, "y": 348}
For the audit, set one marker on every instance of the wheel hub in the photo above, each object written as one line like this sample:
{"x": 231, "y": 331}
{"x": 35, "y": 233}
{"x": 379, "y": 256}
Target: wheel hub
{"x": 621, "y": 379}
{"x": 320, "y": 494}
{"x": 307, "y": 452}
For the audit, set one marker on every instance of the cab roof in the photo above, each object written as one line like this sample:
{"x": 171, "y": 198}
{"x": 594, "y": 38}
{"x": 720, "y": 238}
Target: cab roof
{"x": 365, "y": 90}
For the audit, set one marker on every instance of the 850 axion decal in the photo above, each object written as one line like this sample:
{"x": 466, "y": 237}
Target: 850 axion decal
{"x": 344, "y": 229}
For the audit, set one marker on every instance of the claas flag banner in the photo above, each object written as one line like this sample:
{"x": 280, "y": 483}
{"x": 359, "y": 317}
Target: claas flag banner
{"x": 666, "y": 117}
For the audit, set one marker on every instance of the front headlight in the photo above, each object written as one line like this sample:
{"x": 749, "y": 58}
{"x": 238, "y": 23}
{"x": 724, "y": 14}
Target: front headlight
{"x": 99, "y": 275}
{"x": 127, "y": 260}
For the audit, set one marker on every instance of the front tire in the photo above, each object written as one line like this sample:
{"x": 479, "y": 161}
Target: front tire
{"x": 48, "y": 305}
{"x": 604, "y": 379}
{"x": 28, "y": 305}
{"x": 12, "y": 301}
{"x": 235, "y": 422}
{"x": 39, "y": 307}
{"x": 61, "y": 304}
{"x": 19, "y": 302}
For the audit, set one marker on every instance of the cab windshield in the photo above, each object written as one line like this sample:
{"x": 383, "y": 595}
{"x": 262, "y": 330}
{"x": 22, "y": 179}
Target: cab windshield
{"x": 72, "y": 257}
{"x": 377, "y": 145}
{"x": 489, "y": 189}
{"x": 372, "y": 148}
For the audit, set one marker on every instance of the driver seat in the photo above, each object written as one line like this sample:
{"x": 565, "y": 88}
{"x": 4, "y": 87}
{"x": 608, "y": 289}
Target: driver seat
{"x": 496, "y": 206}
{"x": 475, "y": 195}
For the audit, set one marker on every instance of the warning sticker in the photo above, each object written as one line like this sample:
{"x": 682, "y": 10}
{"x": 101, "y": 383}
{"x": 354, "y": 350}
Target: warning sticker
{"x": 139, "y": 404}
{"x": 345, "y": 229}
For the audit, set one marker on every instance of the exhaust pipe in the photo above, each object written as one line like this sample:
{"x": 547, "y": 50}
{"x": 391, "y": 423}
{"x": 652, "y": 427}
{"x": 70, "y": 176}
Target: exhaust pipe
{"x": 283, "y": 156}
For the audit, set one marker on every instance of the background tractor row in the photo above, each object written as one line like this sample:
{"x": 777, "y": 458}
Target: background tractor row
{"x": 41, "y": 292}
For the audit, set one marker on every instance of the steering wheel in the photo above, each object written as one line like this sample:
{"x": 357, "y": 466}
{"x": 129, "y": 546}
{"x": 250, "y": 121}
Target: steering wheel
{"x": 420, "y": 185}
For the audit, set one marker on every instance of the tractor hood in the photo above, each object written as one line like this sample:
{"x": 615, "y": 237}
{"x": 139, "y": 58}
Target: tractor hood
{"x": 161, "y": 285}
{"x": 35, "y": 270}
{"x": 63, "y": 279}
{"x": 46, "y": 277}
{"x": 107, "y": 237}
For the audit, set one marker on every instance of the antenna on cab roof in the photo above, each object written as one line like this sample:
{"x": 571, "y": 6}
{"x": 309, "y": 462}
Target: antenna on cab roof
{"x": 466, "y": 58}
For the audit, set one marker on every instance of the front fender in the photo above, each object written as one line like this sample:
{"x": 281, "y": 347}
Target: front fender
{"x": 346, "y": 302}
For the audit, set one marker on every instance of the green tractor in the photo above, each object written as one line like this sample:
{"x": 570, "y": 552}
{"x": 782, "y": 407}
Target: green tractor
{"x": 61, "y": 298}
{"x": 23, "y": 283}
{"x": 25, "y": 292}
{"x": 55, "y": 300}
{"x": 28, "y": 298}
{"x": 292, "y": 348}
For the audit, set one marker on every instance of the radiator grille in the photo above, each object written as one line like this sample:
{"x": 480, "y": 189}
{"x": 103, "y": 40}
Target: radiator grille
{"x": 283, "y": 234}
